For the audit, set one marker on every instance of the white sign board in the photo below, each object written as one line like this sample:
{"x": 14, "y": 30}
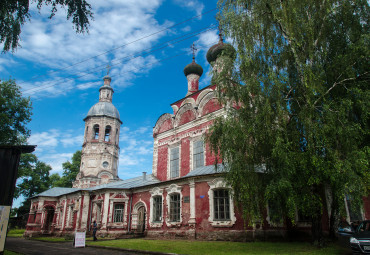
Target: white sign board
{"x": 4, "y": 218}
{"x": 80, "y": 238}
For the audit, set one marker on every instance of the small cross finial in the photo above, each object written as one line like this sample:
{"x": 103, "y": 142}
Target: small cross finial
{"x": 194, "y": 49}
{"x": 108, "y": 69}
{"x": 220, "y": 33}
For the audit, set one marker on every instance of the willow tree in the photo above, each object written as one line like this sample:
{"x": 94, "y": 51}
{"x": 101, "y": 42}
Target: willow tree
{"x": 298, "y": 138}
{"x": 15, "y": 13}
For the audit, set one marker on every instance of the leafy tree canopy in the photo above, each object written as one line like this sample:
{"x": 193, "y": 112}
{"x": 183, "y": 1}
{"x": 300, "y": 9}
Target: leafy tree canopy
{"x": 15, "y": 113}
{"x": 14, "y": 13}
{"x": 301, "y": 85}
{"x": 33, "y": 178}
{"x": 70, "y": 171}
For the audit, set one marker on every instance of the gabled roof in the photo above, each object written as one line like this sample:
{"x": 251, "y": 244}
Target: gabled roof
{"x": 56, "y": 192}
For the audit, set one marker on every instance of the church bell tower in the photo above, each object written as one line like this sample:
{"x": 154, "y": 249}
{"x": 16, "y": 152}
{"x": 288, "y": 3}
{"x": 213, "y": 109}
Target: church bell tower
{"x": 100, "y": 150}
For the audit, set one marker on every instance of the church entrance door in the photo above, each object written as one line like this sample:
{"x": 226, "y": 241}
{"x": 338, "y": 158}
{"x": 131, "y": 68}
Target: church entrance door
{"x": 49, "y": 218}
{"x": 141, "y": 215}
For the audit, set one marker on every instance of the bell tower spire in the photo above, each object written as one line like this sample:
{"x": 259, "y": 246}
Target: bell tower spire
{"x": 100, "y": 150}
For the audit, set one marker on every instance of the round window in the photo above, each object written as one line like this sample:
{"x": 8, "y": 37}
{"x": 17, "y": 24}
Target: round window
{"x": 105, "y": 164}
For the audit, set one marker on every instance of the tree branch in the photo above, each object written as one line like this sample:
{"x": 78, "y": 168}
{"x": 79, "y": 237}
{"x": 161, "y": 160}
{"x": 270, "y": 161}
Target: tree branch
{"x": 337, "y": 83}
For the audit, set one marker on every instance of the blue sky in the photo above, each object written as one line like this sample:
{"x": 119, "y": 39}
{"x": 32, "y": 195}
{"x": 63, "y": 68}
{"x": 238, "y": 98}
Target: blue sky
{"x": 62, "y": 71}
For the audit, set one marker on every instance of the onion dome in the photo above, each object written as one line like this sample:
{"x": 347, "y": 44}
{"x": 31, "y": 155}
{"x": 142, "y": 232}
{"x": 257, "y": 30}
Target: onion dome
{"x": 193, "y": 68}
{"x": 220, "y": 48}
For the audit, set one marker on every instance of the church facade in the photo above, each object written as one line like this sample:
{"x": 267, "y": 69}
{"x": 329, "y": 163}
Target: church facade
{"x": 185, "y": 196}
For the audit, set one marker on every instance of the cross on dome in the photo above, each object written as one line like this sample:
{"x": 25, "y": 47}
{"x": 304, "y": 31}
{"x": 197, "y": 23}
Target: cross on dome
{"x": 194, "y": 49}
{"x": 220, "y": 33}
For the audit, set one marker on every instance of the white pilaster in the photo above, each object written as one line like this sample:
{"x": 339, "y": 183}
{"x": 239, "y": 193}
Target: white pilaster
{"x": 192, "y": 201}
{"x": 105, "y": 211}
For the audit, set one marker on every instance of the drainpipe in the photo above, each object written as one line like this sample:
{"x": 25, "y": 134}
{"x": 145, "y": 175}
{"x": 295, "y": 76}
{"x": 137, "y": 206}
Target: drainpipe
{"x": 129, "y": 215}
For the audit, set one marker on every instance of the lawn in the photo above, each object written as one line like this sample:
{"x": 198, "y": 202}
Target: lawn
{"x": 6, "y": 252}
{"x": 16, "y": 232}
{"x": 219, "y": 248}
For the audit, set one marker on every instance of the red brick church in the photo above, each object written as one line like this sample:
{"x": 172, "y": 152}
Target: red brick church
{"x": 184, "y": 196}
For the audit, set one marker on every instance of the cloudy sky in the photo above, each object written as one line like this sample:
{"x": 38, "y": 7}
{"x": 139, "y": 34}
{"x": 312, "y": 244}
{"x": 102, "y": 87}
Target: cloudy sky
{"x": 146, "y": 43}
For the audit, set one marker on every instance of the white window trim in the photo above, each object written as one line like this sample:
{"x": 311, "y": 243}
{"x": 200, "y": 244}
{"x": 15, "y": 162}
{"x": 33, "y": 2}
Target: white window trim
{"x": 192, "y": 141}
{"x": 155, "y": 192}
{"x": 173, "y": 188}
{"x": 217, "y": 184}
{"x": 112, "y": 201}
{"x": 172, "y": 146}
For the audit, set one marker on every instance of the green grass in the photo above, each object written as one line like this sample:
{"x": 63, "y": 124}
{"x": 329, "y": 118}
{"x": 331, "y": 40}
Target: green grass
{"x": 51, "y": 239}
{"x": 219, "y": 248}
{"x": 16, "y": 232}
{"x": 6, "y": 252}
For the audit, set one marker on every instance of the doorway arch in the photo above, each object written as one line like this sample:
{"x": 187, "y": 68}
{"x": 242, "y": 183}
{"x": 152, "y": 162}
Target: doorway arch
{"x": 139, "y": 216}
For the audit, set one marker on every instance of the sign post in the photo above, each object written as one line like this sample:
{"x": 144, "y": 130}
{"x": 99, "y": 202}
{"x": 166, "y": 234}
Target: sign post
{"x": 80, "y": 239}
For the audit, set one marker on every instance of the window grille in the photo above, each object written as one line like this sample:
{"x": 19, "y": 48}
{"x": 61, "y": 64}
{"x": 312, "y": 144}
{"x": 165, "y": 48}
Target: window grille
{"x": 175, "y": 207}
{"x": 198, "y": 154}
{"x": 118, "y": 213}
{"x": 175, "y": 162}
{"x": 157, "y": 208}
{"x": 221, "y": 204}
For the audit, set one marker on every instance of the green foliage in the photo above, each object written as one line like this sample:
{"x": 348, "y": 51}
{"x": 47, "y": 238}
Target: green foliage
{"x": 70, "y": 171}
{"x": 301, "y": 82}
{"x": 14, "y": 13}
{"x": 15, "y": 113}
{"x": 33, "y": 178}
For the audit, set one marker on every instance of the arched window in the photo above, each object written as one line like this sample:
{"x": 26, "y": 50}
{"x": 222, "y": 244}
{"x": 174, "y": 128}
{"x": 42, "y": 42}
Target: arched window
{"x": 96, "y": 132}
{"x": 107, "y": 134}
{"x": 117, "y": 135}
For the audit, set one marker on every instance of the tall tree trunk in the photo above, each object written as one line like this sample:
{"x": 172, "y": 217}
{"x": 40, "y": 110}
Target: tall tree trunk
{"x": 316, "y": 229}
{"x": 333, "y": 221}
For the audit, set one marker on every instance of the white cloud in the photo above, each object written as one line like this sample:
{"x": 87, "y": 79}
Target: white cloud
{"x": 136, "y": 148}
{"x": 45, "y": 140}
{"x": 207, "y": 39}
{"x": 56, "y": 160}
{"x": 117, "y": 25}
{"x": 193, "y": 5}
{"x": 69, "y": 140}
